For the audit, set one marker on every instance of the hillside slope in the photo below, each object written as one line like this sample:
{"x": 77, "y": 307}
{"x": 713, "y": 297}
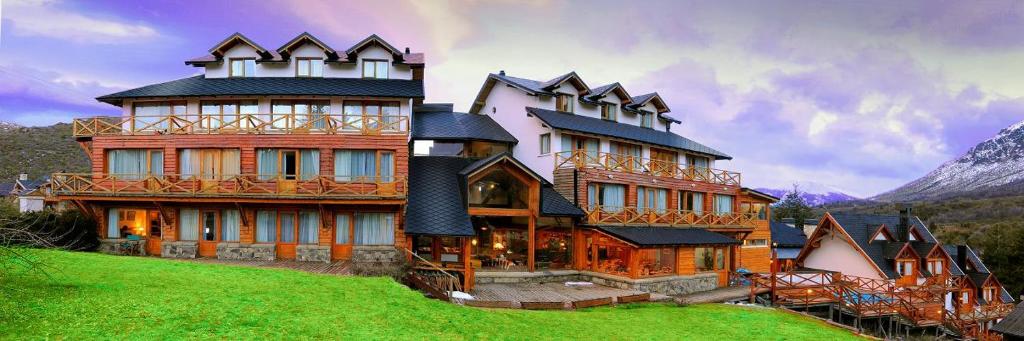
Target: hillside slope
{"x": 994, "y": 167}
{"x": 39, "y": 151}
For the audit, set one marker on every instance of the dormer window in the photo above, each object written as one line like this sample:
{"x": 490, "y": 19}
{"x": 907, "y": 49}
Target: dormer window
{"x": 563, "y": 102}
{"x": 647, "y": 120}
{"x": 608, "y": 111}
{"x": 375, "y": 69}
{"x": 242, "y": 67}
{"x": 309, "y": 67}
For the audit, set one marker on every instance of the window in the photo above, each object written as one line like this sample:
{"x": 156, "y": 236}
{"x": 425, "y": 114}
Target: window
{"x": 374, "y": 229}
{"x": 935, "y": 267}
{"x": 649, "y": 198}
{"x": 342, "y": 224}
{"x": 153, "y": 116}
{"x": 364, "y": 165}
{"x": 989, "y": 293}
{"x": 229, "y": 224}
{"x": 607, "y": 197}
{"x": 657, "y": 262}
{"x": 965, "y": 297}
{"x": 563, "y": 102}
{"x": 647, "y": 120}
{"x": 208, "y": 164}
{"x": 692, "y": 201}
{"x": 288, "y": 164}
{"x": 299, "y": 114}
{"x": 581, "y": 147}
{"x": 266, "y": 226}
{"x": 698, "y": 162}
{"x": 754, "y": 209}
{"x": 608, "y": 111}
{"x": 135, "y": 164}
{"x": 624, "y": 156}
{"x": 755, "y": 243}
{"x": 209, "y": 226}
{"x": 188, "y": 224}
{"x": 309, "y": 67}
{"x": 242, "y": 67}
{"x": 723, "y": 204}
{"x": 371, "y": 115}
{"x": 375, "y": 69}
{"x": 905, "y": 267}
{"x": 545, "y": 144}
{"x": 309, "y": 223}
{"x": 709, "y": 258}
{"x": 498, "y": 189}
{"x": 217, "y": 114}
{"x": 663, "y": 162}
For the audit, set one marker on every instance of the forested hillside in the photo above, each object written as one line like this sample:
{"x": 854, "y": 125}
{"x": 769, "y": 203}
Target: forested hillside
{"x": 39, "y": 151}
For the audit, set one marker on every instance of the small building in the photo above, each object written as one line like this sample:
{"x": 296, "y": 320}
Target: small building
{"x": 787, "y": 241}
{"x": 1012, "y": 326}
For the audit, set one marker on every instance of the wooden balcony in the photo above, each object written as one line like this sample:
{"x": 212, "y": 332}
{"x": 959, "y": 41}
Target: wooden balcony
{"x": 581, "y": 159}
{"x": 245, "y": 186}
{"x": 605, "y": 215}
{"x": 328, "y": 124}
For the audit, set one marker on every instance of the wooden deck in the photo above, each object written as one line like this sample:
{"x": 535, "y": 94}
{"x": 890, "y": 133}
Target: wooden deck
{"x": 727, "y": 294}
{"x": 339, "y": 268}
{"x": 554, "y": 295}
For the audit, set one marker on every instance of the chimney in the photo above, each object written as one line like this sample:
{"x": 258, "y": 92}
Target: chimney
{"x": 501, "y": 73}
{"x": 961, "y": 256}
{"x": 406, "y": 50}
{"x": 22, "y": 177}
{"x": 903, "y": 230}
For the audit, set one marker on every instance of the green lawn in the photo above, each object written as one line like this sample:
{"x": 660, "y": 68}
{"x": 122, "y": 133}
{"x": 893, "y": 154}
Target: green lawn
{"x": 98, "y": 296}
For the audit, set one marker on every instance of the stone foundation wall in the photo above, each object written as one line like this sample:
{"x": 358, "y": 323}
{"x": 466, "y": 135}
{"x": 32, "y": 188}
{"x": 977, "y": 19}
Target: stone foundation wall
{"x": 123, "y": 247}
{"x": 670, "y": 285}
{"x": 179, "y": 249}
{"x": 238, "y": 251}
{"x": 376, "y": 254}
{"x": 313, "y": 253}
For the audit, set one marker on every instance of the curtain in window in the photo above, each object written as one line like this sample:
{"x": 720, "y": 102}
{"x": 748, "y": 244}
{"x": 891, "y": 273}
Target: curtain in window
{"x": 188, "y": 224}
{"x": 309, "y": 164}
{"x": 265, "y": 226}
{"x": 641, "y": 203}
{"x": 350, "y": 165}
{"x": 566, "y": 145}
{"x": 341, "y": 225}
{"x": 287, "y": 228}
{"x": 229, "y": 225}
{"x": 188, "y": 163}
{"x": 308, "y": 227}
{"x": 230, "y": 163}
{"x": 697, "y": 161}
{"x": 723, "y": 203}
{"x": 156, "y": 163}
{"x": 614, "y": 197}
{"x": 390, "y": 113}
{"x": 591, "y": 146}
{"x": 113, "y": 231}
{"x": 266, "y": 163}
{"x": 129, "y": 164}
{"x": 660, "y": 200}
{"x": 591, "y": 196}
{"x": 374, "y": 229}
{"x": 387, "y": 166}
{"x": 698, "y": 203}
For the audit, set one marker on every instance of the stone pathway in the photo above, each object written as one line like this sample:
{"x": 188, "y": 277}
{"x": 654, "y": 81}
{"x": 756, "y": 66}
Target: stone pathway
{"x": 339, "y": 268}
{"x": 727, "y": 294}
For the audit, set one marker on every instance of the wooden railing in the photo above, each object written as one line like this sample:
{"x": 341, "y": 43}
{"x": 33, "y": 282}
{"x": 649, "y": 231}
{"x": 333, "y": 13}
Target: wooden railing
{"x": 241, "y": 124}
{"x": 246, "y": 185}
{"x": 581, "y": 159}
{"x": 613, "y": 215}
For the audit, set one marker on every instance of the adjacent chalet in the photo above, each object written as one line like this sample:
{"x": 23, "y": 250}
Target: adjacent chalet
{"x": 788, "y": 239}
{"x": 299, "y": 152}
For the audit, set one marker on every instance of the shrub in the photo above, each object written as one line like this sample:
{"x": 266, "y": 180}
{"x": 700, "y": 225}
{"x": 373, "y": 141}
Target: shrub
{"x": 69, "y": 229}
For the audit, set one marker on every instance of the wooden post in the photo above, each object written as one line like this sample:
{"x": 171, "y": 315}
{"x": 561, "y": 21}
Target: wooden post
{"x": 775, "y": 269}
{"x": 467, "y": 277}
{"x": 531, "y": 243}
{"x": 634, "y": 263}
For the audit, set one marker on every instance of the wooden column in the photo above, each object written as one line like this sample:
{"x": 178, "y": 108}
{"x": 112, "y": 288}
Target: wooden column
{"x": 531, "y": 243}
{"x": 634, "y": 263}
{"x": 467, "y": 277}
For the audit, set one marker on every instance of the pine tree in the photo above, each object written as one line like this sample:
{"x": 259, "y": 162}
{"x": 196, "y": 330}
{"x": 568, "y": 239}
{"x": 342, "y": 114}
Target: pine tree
{"x": 793, "y": 206}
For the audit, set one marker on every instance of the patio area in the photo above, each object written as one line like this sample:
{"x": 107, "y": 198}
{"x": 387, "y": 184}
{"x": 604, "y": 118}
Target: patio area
{"x": 554, "y": 295}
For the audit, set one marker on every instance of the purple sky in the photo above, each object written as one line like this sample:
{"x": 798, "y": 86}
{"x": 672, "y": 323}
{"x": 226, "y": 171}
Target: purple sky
{"x": 859, "y": 95}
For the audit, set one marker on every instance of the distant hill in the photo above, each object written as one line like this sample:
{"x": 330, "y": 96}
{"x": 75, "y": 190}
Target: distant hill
{"x": 39, "y": 151}
{"x": 994, "y": 167}
{"x": 814, "y": 193}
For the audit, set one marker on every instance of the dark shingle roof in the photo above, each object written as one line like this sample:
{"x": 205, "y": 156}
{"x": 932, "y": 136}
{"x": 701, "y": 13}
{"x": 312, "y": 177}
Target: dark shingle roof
{"x": 568, "y": 121}
{"x": 787, "y": 236}
{"x": 1012, "y": 324}
{"x": 6, "y": 188}
{"x": 657, "y": 236}
{"x": 267, "y": 86}
{"x": 536, "y": 87}
{"x": 458, "y": 126}
{"x": 436, "y": 205}
{"x": 553, "y": 204}
{"x": 861, "y": 227}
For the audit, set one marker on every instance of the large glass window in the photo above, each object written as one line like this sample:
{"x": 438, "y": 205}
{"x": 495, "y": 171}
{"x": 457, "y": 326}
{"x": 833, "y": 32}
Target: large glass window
{"x": 613, "y": 259}
{"x": 374, "y": 229}
{"x": 691, "y": 201}
{"x": 153, "y": 116}
{"x": 286, "y": 232}
{"x": 624, "y": 156}
{"x": 309, "y": 223}
{"x": 135, "y": 164}
{"x": 647, "y": 120}
{"x": 300, "y": 114}
{"x": 609, "y": 111}
{"x": 758, "y": 210}
{"x": 564, "y": 102}
{"x": 242, "y": 67}
{"x": 610, "y": 197}
{"x": 657, "y": 262}
{"x": 188, "y": 224}
{"x": 217, "y": 114}
{"x": 499, "y": 189}
{"x": 723, "y": 204}
{"x": 650, "y": 198}
{"x": 209, "y": 164}
{"x": 288, "y": 164}
{"x": 309, "y": 67}
{"x": 709, "y": 258}
{"x": 364, "y": 165}
{"x": 266, "y": 226}
{"x": 553, "y": 248}
{"x": 229, "y": 224}
{"x": 699, "y": 162}
{"x": 373, "y": 68}
{"x": 583, "y": 147}
{"x": 371, "y": 115}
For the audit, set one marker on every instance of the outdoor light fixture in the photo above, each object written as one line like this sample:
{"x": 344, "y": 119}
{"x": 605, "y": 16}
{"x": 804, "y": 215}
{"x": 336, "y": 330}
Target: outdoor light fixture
{"x": 473, "y": 241}
{"x": 499, "y": 246}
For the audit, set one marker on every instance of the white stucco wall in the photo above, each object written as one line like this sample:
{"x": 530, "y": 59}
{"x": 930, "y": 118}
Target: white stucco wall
{"x": 331, "y": 70}
{"x": 30, "y": 204}
{"x": 836, "y": 254}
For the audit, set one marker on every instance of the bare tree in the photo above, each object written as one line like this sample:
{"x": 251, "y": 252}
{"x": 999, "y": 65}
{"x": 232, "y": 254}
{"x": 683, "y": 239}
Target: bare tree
{"x": 21, "y": 234}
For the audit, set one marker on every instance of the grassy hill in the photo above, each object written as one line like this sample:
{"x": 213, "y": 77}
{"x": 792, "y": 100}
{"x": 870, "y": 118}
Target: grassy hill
{"x": 94, "y": 296}
{"x": 39, "y": 151}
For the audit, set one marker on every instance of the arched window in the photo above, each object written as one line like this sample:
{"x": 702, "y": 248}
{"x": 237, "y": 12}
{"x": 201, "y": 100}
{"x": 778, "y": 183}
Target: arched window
{"x": 498, "y": 189}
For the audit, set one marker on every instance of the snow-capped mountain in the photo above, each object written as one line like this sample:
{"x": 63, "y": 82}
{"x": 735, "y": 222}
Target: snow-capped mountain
{"x": 8, "y": 125}
{"x": 814, "y": 193}
{"x": 993, "y": 167}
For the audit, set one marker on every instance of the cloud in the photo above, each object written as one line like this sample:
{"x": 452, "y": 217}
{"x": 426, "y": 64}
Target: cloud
{"x": 51, "y": 19}
{"x": 36, "y": 97}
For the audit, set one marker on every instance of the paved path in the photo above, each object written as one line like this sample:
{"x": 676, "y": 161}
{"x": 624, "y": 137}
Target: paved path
{"x": 716, "y": 296}
{"x": 340, "y": 268}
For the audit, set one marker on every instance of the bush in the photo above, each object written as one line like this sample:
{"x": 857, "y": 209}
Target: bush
{"x": 69, "y": 229}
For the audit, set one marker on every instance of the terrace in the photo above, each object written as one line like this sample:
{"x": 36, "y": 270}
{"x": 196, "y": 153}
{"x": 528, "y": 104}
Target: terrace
{"x": 609, "y": 215}
{"x": 242, "y": 185}
{"x": 583, "y": 159}
{"x": 266, "y": 123}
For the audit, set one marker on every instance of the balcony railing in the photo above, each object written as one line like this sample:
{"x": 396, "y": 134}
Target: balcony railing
{"x": 581, "y": 159}
{"x": 241, "y": 124}
{"x": 616, "y": 215}
{"x": 254, "y": 186}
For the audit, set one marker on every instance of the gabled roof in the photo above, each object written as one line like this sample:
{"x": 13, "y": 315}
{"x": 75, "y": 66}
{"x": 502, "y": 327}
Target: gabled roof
{"x": 638, "y": 102}
{"x": 219, "y": 49}
{"x": 861, "y": 229}
{"x": 572, "y": 77}
{"x": 980, "y": 271}
{"x": 596, "y": 126}
{"x": 304, "y": 37}
{"x": 787, "y": 236}
{"x": 489, "y": 161}
{"x": 6, "y": 188}
{"x": 436, "y": 204}
{"x": 447, "y": 126}
{"x": 755, "y": 193}
{"x": 1012, "y": 324}
{"x": 553, "y": 204}
{"x": 269, "y": 86}
{"x": 596, "y": 94}
{"x": 399, "y": 57}
{"x": 666, "y": 236}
